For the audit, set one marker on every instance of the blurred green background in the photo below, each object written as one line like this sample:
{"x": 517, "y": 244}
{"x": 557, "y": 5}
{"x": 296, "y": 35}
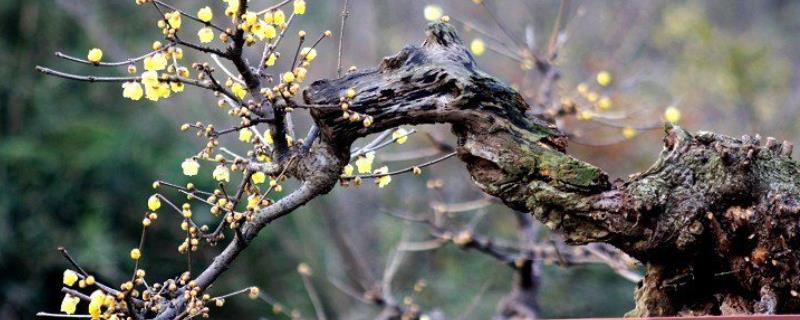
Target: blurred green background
{"x": 77, "y": 160}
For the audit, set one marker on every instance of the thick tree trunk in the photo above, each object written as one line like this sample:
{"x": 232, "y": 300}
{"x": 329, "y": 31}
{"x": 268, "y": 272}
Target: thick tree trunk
{"x": 714, "y": 219}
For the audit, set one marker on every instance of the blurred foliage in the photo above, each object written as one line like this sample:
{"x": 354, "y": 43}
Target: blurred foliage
{"x": 74, "y": 166}
{"x": 77, "y": 161}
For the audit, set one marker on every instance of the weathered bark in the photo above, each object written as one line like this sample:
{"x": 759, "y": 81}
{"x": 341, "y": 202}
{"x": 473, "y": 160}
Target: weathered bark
{"x": 714, "y": 219}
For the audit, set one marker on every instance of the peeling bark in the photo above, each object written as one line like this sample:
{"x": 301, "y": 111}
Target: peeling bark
{"x": 714, "y": 219}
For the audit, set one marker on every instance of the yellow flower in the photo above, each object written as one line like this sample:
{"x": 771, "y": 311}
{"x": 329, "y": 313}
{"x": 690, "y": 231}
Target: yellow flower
{"x": 269, "y": 17}
{"x": 132, "y": 90}
{"x": 268, "y": 137}
{"x": 271, "y": 59}
{"x": 155, "y": 62}
{"x": 384, "y": 180}
{"x": 183, "y": 72}
{"x": 205, "y": 14}
{"x": 70, "y": 277}
{"x": 153, "y": 203}
{"x": 238, "y": 90}
{"x": 308, "y": 53}
{"x": 603, "y": 78}
{"x": 176, "y": 86}
{"x": 258, "y": 30}
{"x": 233, "y": 7}
{"x": 604, "y": 103}
{"x": 364, "y": 163}
{"x": 150, "y": 78}
{"x": 269, "y": 31}
{"x": 628, "y": 132}
{"x": 278, "y": 17}
{"x": 152, "y": 92}
{"x": 672, "y": 114}
{"x": 174, "y": 19}
{"x": 95, "y": 55}
{"x": 478, "y": 47}
{"x": 432, "y": 12}
{"x": 245, "y": 135}
{"x": 205, "y": 35}
{"x": 259, "y": 177}
{"x": 250, "y": 18}
{"x": 348, "y": 170}
{"x": 136, "y": 254}
{"x": 253, "y": 201}
{"x": 95, "y": 303}
{"x": 222, "y": 173}
{"x": 69, "y": 304}
{"x": 350, "y": 93}
{"x": 300, "y": 73}
{"x": 164, "y": 90}
{"x": 190, "y": 167}
{"x": 299, "y": 7}
{"x": 400, "y": 135}
{"x": 288, "y": 77}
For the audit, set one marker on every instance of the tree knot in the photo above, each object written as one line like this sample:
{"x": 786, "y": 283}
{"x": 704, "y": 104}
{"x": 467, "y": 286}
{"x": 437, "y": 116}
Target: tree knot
{"x": 442, "y": 34}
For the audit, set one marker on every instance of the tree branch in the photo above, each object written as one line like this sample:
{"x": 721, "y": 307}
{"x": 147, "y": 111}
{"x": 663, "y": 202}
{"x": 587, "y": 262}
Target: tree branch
{"x": 709, "y": 205}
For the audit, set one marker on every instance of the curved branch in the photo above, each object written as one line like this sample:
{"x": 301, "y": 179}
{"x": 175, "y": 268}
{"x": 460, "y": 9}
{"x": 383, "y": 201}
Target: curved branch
{"x": 223, "y": 261}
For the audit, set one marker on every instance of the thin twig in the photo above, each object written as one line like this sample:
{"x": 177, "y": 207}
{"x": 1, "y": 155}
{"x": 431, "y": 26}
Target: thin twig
{"x": 314, "y": 297}
{"x": 112, "y": 64}
{"x": 401, "y": 171}
{"x": 345, "y": 14}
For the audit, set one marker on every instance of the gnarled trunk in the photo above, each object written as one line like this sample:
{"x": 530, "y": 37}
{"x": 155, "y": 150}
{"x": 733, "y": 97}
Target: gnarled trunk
{"x": 714, "y": 219}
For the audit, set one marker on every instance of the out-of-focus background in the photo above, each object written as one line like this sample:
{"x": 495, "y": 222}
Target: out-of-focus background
{"x": 77, "y": 160}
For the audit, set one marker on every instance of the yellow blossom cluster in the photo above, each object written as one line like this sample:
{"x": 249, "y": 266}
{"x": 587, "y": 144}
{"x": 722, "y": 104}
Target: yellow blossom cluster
{"x": 170, "y": 24}
{"x": 162, "y": 72}
{"x": 364, "y": 164}
{"x": 593, "y": 96}
{"x": 152, "y": 85}
{"x": 101, "y": 305}
{"x": 256, "y": 27}
{"x": 346, "y": 102}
